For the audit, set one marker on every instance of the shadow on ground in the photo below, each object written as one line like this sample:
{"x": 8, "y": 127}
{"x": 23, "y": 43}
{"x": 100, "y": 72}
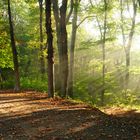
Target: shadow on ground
{"x": 31, "y": 116}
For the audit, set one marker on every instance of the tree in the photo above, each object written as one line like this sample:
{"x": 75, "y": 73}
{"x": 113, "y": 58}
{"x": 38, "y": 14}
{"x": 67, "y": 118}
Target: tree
{"x": 60, "y": 20}
{"x": 72, "y": 47}
{"x": 57, "y": 26}
{"x": 42, "y": 66}
{"x": 127, "y": 46}
{"x": 103, "y": 32}
{"x": 14, "y": 51}
{"x": 131, "y": 34}
{"x": 63, "y": 49}
{"x": 50, "y": 48}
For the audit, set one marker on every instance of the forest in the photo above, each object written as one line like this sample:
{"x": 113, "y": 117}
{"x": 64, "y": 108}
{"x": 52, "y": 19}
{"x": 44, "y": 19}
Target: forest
{"x": 76, "y": 58}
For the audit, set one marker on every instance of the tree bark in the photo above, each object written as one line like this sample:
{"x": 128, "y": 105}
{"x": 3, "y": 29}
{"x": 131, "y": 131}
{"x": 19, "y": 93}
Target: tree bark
{"x": 72, "y": 47}
{"x": 42, "y": 62}
{"x": 63, "y": 49}
{"x": 57, "y": 66}
{"x": 14, "y": 51}
{"x": 60, "y": 20}
{"x": 50, "y": 48}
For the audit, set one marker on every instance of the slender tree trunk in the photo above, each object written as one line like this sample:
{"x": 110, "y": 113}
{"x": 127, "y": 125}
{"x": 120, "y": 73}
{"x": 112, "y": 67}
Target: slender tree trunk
{"x": 122, "y": 23}
{"x": 14, "y": 50}
{"x": 50, "y": 48}
{"x": 123, "y": 82}
{"x": 104, "y": 54}
{"x": 63, "y": 49}
{"x": 72, "y": 47}
{"x": 57, "y": 66}
{"x": 127, "y": 74}
{"x": 129, "y": 45}
{"x": 42, "y": 62}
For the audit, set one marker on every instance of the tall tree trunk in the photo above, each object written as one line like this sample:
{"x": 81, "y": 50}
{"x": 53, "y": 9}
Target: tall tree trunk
{"x": 42, "y": 62}
{"x": 50, "y": 48}
{"x": 14, "y": 50}
{"x": 104, "y": 54}
{"x": 72, "y": 47}
{"x": 57, "y": 66}
{"x": 63, "y": 49}
{"x": 129, "y": 45}
{"x": 60, "y": 20}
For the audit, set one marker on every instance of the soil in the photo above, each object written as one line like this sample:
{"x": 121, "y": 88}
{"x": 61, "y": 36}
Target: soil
{"x": 32, "y": 116}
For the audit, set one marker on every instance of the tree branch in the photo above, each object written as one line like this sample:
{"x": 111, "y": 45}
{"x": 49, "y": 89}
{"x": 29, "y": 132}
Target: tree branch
{"x": 84, "y": 20}
{"x": 70, "y": 12}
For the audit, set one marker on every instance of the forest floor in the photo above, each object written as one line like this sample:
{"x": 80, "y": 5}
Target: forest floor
{"x": 32, "y": 116}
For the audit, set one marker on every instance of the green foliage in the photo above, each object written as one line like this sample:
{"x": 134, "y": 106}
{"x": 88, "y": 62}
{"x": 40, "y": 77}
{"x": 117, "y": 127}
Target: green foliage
{"x": 88, "y": 67}
{"x": 5, "y": 54}
{"x": 125, "y": 97}
{"x": 34, "y": 84}
{"x": 7, "y": 78}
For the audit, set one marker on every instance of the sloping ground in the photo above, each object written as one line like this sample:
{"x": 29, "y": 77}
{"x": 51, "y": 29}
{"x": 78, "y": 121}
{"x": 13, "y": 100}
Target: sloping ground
{"x": 31, "y": 116}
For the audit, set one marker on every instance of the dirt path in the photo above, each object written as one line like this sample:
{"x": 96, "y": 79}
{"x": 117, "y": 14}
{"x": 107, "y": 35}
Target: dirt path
{"x": 31, "y": 116}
